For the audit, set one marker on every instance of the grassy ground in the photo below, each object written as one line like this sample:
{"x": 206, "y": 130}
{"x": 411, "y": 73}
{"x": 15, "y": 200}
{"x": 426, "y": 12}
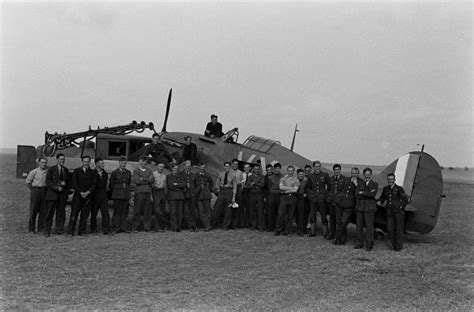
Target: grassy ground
{"x": 232, "y": 270}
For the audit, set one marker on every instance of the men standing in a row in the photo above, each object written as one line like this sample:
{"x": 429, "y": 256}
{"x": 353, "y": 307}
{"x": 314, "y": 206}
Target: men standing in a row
{"x": 190, "y": 195}
{"x": 213, "y": 128}
{"x": 317, "y": 187}
{"x": 345, "y": 204}
{"x": 255, "y": 184}
{"x": 335, "y": 186}
{"x": 119, "y": 186}
{"x": 274, "y": 194}
{"x": 142, "y": 180}
{"x": 289, "y": 185}
{"x": 36, "y": 183}
{"x": 226, "y": 188}
{"x": 159, "y": 196}
{"x": 366, "y": 209}
{"x": 204, "y": 197}
{"x": 99, "y": 199}
{"x": 158, "y": 151}
{"x": 395, "y": 198}
{"x": 175, "y": 184}
{"x": 83, "y": 182}
{"x": 58, "y": 184}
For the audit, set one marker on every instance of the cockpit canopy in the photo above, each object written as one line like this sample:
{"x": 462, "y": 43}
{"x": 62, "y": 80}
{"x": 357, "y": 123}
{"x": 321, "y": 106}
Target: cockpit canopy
{"x": 259, "y": 144}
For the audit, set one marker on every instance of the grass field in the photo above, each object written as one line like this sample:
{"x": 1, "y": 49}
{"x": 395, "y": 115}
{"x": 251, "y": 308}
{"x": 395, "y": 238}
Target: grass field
{"x": 234, "y": 270}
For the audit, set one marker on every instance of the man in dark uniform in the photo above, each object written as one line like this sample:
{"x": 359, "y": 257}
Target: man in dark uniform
{"x": 335, "y": 186}
{"x": 83, "y": 182}
{"x": 366, "y": 209}
{"x": 204, "y": 197}
{"x": 119, "y": 188}
{"x": 268, "y": 173}
{"x": 99, "y": 199}
{"x": 255, "y": 184}
{"x": 158, "y": 151}
{"x": 301, "y": 196}
{"x": 226, "y": 189}
{"x": 316, "y": 188}
{"x": 189, "y": 151}
{"x": 36, "y": 183}
{"x": 142, "y": 180}
{"x": 395, "y": 200}
{"x": 58, "y": 184}
{"x": 175, "y": 185}
{"x": 213, "y": 128}
{"x": 345, "y": 204}
{"x": 274, "y": 194}
{"x": 190, "y": 196}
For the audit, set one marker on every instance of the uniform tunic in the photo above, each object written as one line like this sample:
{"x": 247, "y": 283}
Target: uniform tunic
{"x": 119, "y": 188}
{"x": 366, "y": 209}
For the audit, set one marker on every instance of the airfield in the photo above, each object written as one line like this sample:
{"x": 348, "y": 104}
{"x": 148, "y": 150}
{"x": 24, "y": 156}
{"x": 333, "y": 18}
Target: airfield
{"x": 234, "y": 270}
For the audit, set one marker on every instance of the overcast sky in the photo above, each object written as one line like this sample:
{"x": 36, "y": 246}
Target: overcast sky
{"x": 366, "y": 82}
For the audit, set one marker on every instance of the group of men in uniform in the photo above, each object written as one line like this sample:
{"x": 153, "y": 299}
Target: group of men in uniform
{"x": 245, "y": 199}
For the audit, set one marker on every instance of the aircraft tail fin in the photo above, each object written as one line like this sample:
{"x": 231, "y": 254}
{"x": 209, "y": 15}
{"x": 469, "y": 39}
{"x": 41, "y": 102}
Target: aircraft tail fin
{"x": 25, "y": 160}
{"x": 420, "y": 176}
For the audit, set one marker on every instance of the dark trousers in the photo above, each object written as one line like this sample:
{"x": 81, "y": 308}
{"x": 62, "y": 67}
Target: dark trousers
{"x": 300, "y": 213}
{"x": 119, "y": 219}
{"x": 82, "y": 206}
{"x": 176, "y": 214}
{"x": 286, "y": 213}
{"x": 367, "y": 219}
{"x": 189, "y": 211}
{"x": 343, "y": 218}
{"x": 273, "y": 207}
{"x": 159, "y": 207}
{"x": 244, "y": 214}
{"x": 255, "y": 208}
{"x": 38, "y": 209}
{"x": 221, "y": 206}
{"x": 332, "y": 220}
{"x": 395, "y": 226}
{"x": 56, "y": 207}
{"x": 204, "y": 205}
{"x": 99, "y": 202}
{"x": 318, "y": 205}
{"x": 142, "y": 209}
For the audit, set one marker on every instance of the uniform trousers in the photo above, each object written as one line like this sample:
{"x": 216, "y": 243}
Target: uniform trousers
{"x": 395, "y": 226}
{"x": 38, "y": 209}
{"x": 273, "y": 206}
{"x": 300, "y": 213}
{"x": 119, "y": 218}
{"x": 82, "y": 206}
{"x": 332, "y": 221}
{"x": 255, "y": 208}
{"x": 321, "y": 206}
{"x": 99, "y": 202}
{"x": 204, "y": 205}
{"x": 189, "y": 211}
{"x": 367, "y": 219}
{"x": 244, "y": 214}
{"x": 221, "y": 206}
{"x": 143, "y": 210}
{"x": 159, "y": 206}
{"x": 176, "y": 213}
{"x": 286, "y": 212}
{"x": 343, "y": 218}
